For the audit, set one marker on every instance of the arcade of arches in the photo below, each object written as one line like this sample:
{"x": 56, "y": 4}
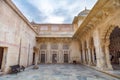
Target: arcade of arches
{"x": 93, "y": 38}
{"x": 110, "y": 53}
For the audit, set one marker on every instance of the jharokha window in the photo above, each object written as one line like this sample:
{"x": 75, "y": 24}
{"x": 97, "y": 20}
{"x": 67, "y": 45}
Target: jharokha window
{"x": 43, "y": 28}
{"x": 43, "y": 46}
{"x": 54, "y": 46}
{"x": 65, "y": 46}
{"x": 55, "y": 28}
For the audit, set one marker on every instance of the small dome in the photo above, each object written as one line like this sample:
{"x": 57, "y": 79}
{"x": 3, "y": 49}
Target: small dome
{"x": 32, "y": 22}
{"x": 84, "y": 12}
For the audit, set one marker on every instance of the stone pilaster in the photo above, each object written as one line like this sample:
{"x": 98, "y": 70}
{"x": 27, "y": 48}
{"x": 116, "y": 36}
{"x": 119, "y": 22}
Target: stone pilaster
{"x": 60, "y": 51}
{"x": 48, "y": 53}
{"x": 109, "y": 66}
{"x": 89, "y": 57}
{"x": 83, "y": 54}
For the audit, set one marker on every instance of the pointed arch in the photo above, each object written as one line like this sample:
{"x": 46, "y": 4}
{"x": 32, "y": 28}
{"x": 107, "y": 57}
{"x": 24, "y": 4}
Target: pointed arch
{"x": 106, "y": 43}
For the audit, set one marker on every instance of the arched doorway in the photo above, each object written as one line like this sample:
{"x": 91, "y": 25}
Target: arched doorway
{"x": 114, "y": 48}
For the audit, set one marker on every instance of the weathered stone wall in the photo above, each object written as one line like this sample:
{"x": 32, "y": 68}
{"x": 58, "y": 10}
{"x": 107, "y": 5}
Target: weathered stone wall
{"x": 72, "y": 48}
{"x": 16, "y": 37}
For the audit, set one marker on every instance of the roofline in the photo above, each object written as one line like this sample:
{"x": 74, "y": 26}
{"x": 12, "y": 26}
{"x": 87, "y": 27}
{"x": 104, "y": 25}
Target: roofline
{"x": 51, "y": 24}
{"x": 91, "y": 14}
{"x": 13, "y": 7}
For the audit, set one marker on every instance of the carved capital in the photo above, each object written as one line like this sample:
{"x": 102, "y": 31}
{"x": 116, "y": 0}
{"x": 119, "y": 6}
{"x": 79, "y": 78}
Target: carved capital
{"x": 107, "y": 43}
{"x": 116, "y": 3}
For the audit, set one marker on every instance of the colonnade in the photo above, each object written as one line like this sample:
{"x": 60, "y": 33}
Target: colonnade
{"x": 88, "y": 55}
{"x": 93, "y": 53}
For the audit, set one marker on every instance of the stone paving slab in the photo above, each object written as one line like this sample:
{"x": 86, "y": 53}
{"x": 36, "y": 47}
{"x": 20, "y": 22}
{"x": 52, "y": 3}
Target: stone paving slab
{"x": 59, "y": 72}
{"x": 114, "y": 73}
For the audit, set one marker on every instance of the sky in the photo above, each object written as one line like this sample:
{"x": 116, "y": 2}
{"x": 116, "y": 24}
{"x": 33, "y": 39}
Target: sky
{"x": 52, "y": 11}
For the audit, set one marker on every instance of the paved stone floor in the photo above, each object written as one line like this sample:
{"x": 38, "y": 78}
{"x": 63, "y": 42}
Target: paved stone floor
{"x": 59, "y": 72}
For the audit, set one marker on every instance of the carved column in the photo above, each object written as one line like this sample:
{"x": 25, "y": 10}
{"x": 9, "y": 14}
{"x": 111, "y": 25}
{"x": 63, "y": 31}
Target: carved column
{"x": 99, "y": 54}
{"x": 107, "y": 53}
{"x": 83, "y": 53}
{"x": 88, "y": 53}
{"x": 89, "y": 57}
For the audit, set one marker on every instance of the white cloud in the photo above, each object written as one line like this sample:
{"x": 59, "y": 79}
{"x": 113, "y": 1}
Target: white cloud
{"x": 45, "y": 6}
{"x": 55, "y": 19}
{"x": 71, "y": 8}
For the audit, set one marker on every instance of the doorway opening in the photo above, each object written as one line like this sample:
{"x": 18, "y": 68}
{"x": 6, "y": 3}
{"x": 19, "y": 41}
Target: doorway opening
{"x": 114, "y": 48}
{"x": 1, "y": 56}
{"x": 54, "y": 58}
{"x": 43, "y": 57}
{"x": 65, "y": 58}
{"x": 33, "y": 58}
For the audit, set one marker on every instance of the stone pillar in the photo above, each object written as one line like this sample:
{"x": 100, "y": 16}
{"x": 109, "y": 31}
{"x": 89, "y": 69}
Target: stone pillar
{"x": 109, "y": 66}
{"x": 99, "y": 54}
{"x": 86, "y": 56}
{"x": 36, "y": 50}
{"x": 88, "y": 53}
{"x": 80, "y": 56}
{"x": 48, "y": 53}
{"x": 99, "y": 57}
{"x": 36, "y": 58}
{"x": 60, "y": 53}
{"x": 89, "y": 57}
{"x": 83, "y": 54}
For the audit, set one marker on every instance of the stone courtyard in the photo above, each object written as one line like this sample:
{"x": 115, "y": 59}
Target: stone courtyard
{"x": 91, "y": 39}
{"x": 58, "y": 72}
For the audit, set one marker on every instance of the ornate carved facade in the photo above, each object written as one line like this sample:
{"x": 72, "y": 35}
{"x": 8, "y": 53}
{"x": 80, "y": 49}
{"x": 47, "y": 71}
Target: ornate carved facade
{"x": 60, "y": 50}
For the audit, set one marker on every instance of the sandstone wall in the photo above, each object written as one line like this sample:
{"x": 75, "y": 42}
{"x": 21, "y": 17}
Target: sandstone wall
{"x": 16, "y": 37}
{"x": 70, "y": 47}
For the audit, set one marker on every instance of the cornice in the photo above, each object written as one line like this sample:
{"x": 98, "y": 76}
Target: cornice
{"x": 54, "y": 39}
{"x": 89, "y": 17}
